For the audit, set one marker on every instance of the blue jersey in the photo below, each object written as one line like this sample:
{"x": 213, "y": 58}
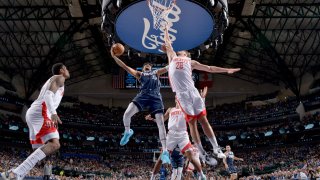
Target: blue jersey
{"x": 230, "y": 159}
{"x": 149, "y": 97}
{"x": 149, "y": 82}
{"x": 163, "y": 173}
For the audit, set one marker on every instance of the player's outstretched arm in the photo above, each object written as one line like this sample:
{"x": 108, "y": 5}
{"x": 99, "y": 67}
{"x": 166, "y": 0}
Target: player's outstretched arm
{"x": 225, "y": 161}
{"x": 212, "y": 69}
{"x": 204, "y": 92}
{"x": 165, "y": 116}
{"x": 162, "y": 70}
{"x": 238, "y": 159}
{"x": 131, "y": 71}
{"x": 168, "y": 45}
{"x": 55, "y": 84}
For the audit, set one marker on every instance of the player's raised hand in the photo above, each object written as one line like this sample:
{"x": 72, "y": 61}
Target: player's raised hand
{"x": 163, "y": 48}
{"x": 233, "y": 70}
{"x": 149, "y": 118}
{"x": 111, "y": 51}
{"x": 49, "y": 123}
{"x": 204, "y": 92}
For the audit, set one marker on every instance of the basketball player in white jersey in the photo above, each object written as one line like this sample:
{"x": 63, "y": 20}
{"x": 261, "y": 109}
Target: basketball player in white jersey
{"x": 188, "y": 97}
{"x": 178, "y": 136}
{"x": 43, "y": 120}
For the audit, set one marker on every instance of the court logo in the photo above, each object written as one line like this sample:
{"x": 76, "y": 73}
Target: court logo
{"x": 189, "y": 23}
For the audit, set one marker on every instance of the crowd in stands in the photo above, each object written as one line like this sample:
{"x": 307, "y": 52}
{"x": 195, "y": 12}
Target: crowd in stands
{"x": 107, "y": 140}
{"x": 220, "y": 115}
{"x": 73, "y": 111}
{"x": 282, "y": 162}
{"x": 91, "y": 128}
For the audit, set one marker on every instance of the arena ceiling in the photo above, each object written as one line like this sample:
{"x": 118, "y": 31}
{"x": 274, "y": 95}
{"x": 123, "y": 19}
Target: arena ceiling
{"x": 273, "y": 41}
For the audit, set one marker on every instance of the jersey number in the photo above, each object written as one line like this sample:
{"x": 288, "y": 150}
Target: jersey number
{"x": 179, "y": 65}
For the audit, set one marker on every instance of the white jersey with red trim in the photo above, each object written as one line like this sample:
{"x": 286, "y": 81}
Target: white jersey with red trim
{"x": 180, "y": 74}
{"x": 177, "y": 121}
{"x": 39, "y": 103}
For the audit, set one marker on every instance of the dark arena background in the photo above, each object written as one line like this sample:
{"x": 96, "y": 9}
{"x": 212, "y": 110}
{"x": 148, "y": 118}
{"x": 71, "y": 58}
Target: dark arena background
{"x": 268, "y": 112}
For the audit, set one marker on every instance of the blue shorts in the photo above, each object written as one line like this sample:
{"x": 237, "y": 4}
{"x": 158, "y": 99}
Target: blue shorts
{"x": 151, "y": 101}
{"x": 232, "y": 170}
{"x": 177, "y": 161}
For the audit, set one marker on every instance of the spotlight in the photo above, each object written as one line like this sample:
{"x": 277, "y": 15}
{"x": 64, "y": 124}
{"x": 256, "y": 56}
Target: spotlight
{"x": 215, "y": 44}
{"x": 212, "y": 2}
{"x": 199, "y": 53}
{"x": 205, "y": 46}
{"x": 117, "y": 3}
{"x": 225, "y": 18}
{"x": 220, "y": 38}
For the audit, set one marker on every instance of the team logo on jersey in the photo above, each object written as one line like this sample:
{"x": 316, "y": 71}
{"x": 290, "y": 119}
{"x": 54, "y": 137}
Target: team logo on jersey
{"x": 190, "y": 25}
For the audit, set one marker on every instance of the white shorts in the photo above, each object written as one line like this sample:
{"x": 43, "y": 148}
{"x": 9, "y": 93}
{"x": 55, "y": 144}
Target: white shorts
{"x": 191, "y": 104}
{"x": 195, "y": 153}
{"x": 181, "y": 139}
{"x": 39, "y": 133}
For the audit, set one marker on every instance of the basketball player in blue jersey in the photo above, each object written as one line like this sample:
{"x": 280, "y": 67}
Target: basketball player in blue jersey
{"x": 228, "y": 163}
{"x": 149, "y": 98}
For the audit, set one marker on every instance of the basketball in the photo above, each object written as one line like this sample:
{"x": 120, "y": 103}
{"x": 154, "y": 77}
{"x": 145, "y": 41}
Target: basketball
{"x": 118, "y": 49}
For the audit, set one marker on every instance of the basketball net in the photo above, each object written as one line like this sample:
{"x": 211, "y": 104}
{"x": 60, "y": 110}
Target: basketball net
{"x": 160, "y": 10}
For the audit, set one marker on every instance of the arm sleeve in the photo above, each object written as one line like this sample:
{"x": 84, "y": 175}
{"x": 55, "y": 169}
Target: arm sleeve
{"x": 48, "y": 98}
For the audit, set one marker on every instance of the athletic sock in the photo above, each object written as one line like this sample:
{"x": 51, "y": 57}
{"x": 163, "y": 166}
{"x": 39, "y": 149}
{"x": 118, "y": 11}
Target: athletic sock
{"x": 162, "y": 131}
{"x": 152, "y": 176}
{"x": 214, "y": 142}
{"x": 174, "y": 174}
{"x": 130, "y": 111}
{"x": 29, "y": 163}
{"x": 200, "y": 148}
{"x": 179, "y": 174}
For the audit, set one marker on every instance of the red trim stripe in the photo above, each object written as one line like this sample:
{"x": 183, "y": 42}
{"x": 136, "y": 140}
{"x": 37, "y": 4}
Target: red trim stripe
{"x": 189, "y": 117}
{"x": 37, "y": 141}
{"x": 45, "y": 130}
{"x": 186, "y": 147}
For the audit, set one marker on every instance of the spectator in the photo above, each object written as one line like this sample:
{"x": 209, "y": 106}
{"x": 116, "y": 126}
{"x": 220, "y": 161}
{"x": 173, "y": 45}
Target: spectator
{"x": 47, "y": 170}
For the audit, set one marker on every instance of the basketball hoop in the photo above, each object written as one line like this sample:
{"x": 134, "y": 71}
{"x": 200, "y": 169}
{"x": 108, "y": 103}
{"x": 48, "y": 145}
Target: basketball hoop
{"x": 160, "y": 10}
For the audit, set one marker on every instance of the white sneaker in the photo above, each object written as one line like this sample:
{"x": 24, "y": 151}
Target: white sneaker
{"x": 211, "y": 160}
{"x": 202, "y": 177}
{"x": 219, "y": 153}
{"x": 202, "y": 157}
{"x": 208, "y": 159}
